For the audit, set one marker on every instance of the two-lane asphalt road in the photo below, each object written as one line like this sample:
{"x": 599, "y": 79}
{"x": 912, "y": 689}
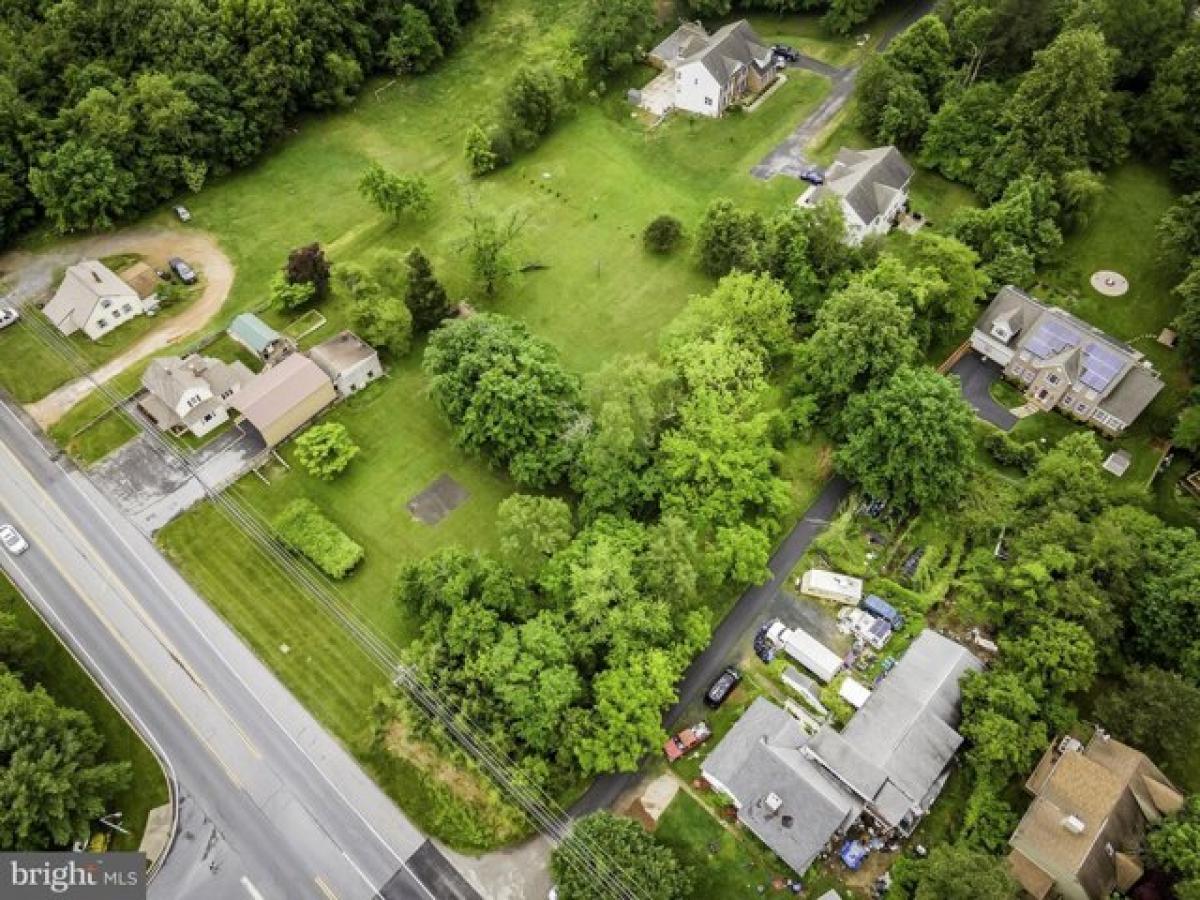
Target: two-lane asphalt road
{"x": 270, "y": 806}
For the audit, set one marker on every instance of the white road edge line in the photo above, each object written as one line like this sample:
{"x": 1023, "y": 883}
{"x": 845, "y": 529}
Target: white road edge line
{"x": 251, "y": 889}
{"x": 205, "y": 637}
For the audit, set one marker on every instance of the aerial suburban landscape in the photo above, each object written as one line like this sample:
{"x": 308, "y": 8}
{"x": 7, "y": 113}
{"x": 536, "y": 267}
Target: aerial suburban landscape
{"x": 586, "y": 449}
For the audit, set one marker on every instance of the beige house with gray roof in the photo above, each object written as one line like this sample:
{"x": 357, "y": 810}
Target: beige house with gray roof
{"x": 1080, "y": 838}
{"x": 192, "y": 394}
{"x": 349, "y": 361}
{"x": 1064, "y": 363}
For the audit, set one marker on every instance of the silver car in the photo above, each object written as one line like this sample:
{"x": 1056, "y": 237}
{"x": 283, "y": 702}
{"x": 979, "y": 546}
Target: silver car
{"x": 12, "y": 540}
{"x": 8, "y": 316}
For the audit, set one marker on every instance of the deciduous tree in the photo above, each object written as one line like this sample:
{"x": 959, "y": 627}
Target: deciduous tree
{"x": 507, "y": 396}
{"x": 532, "y": 529}
{"x": 325, "y": 450}
{"x": 398, "y": 196}
{"x": 909, "y": 440}
{"x": 52, "y": 783}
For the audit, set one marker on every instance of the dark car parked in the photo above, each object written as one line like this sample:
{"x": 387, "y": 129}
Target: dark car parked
{"x": 783, "y": 51}
{"x": 182, "y": 270}
{"x": 720, "y": 689}
{"x": 813, "y": 175}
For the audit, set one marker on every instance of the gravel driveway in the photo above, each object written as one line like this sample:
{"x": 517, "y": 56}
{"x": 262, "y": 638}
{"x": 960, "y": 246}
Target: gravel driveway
{"x": 30, "y": 277}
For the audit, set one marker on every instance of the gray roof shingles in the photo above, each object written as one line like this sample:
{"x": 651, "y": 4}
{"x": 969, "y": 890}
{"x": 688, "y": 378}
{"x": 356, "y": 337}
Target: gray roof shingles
{"x": 892, "y": 755}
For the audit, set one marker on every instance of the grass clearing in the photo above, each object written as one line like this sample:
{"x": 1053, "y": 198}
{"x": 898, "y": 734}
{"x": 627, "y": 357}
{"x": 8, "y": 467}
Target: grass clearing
{"x": 64, "y": 680}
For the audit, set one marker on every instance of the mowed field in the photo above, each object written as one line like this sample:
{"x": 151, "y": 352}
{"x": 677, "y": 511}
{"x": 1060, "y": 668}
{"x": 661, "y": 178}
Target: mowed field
{"x": 586, "y": 195}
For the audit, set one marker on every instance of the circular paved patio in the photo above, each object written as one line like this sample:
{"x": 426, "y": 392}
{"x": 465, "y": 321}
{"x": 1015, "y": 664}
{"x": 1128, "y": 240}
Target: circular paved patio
{"x": 1109, "y": 283}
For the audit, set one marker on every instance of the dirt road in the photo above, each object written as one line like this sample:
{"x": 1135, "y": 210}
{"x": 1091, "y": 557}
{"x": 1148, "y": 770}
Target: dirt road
{"x": 31, "y": 276}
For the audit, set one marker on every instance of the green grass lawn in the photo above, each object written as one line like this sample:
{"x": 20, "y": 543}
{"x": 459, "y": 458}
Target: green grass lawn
{"x": 30, "y": 371}
{"x": 65, "y": 681}
{"x": 725, "y": 861}
{"x": 1121, "y": 237}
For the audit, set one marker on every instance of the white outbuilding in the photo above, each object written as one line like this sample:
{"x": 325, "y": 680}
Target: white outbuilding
{"x": 832, "y": 586}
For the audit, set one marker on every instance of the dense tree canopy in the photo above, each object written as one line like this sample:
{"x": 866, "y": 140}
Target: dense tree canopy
{"x": 625, "y": 851}
{"x": 862, "y": 336}
{"x": 52, "y": 784}
{"x": 101, "y": 115}
{"x": 506, "y": 394}
{"x": 910, "y": 440}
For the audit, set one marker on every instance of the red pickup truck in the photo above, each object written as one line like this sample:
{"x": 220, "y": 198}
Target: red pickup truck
{"x": 686, "y": 740}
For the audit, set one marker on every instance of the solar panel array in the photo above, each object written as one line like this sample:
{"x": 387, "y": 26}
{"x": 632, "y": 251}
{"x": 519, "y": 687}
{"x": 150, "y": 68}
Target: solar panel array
{"x": 1051, "y": 337}
{"x": 1100, "y": 365}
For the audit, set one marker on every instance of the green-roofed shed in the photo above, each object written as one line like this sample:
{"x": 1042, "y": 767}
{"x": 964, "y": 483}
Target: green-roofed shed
{"x": 256, "y": 335}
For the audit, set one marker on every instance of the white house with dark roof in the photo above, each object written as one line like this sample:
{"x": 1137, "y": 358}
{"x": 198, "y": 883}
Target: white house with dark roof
{"x": 798, "y": 792}
{"x": 92, "y": 299}
{"x": 713, "y": 72}
{"x": 870, "y": 186}
{"x": 1064, "y": 363}
{"x": 192, "y": 394}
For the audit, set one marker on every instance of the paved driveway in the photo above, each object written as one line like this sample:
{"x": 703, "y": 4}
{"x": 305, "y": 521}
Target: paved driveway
{"x": 734, "y": 636}
{"x": 152, "y": 488}
{"x": 788, "y": 157}
{"x": 977, "y": 375}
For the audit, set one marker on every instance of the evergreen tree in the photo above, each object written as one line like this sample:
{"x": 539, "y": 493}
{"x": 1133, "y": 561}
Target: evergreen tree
{"x": 423, "y": 294}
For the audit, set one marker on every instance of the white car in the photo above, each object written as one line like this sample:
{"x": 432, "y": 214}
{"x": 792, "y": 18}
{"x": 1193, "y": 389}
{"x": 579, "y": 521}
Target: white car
{"x": 12, "y": 540}
{"x": 8, "y": 315}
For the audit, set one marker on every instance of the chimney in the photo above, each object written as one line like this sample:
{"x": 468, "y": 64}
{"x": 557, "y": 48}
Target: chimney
{"x": 773, "y": 802}
{"x": 1073, "y": 824}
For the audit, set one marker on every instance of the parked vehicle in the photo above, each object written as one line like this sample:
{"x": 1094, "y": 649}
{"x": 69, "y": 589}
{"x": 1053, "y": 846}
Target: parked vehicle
{"x": 813, "y": 175}
{"x": 182, "y": 270}
{"x": 763, "y": 647}
{"x": 720, "y": 689}
{"x": 12, "y": 540}
{"x": 8, "y": 316}
{"x": 880, "y": 608}
{"x": 686, "y": 741}
{"x": 183, "y": 214}
{"x": 784, "y": 52}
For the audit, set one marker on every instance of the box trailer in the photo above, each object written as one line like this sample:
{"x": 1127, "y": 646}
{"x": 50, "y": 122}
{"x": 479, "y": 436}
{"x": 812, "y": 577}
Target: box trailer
{"x": 832, "y": 586}
{"x": 806, "y": 650}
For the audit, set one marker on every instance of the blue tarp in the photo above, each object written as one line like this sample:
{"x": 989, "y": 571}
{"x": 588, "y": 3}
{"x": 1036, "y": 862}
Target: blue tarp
{"x": 853, "y": 853}
{"x": 877, "y": 606}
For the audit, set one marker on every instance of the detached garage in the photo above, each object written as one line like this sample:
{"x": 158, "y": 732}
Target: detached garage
{"x": 280, "y": 400}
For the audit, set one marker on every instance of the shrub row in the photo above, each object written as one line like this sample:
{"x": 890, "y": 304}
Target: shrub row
{"x": 304, "y": 528}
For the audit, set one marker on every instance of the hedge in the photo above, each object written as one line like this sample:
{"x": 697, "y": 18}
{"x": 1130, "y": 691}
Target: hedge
{"x": 304, "y": 528}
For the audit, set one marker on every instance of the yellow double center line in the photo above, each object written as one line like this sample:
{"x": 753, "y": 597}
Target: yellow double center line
{"x": 119, "y": 586}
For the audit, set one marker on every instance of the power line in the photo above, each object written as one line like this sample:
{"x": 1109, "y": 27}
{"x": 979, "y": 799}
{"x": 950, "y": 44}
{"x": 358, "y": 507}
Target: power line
{"x": 542, "y": 810}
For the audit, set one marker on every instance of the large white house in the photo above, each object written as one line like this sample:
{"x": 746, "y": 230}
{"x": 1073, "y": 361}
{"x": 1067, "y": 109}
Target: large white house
{"x": 92, "y": 299}
{"x": 705, "y": 74}
{"x": 191, "y": 394}
{"x": 871, "y": 186}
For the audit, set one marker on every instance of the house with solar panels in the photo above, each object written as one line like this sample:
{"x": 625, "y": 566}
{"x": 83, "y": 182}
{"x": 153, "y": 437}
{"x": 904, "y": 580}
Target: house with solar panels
{"x": 1063, "y": 363}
